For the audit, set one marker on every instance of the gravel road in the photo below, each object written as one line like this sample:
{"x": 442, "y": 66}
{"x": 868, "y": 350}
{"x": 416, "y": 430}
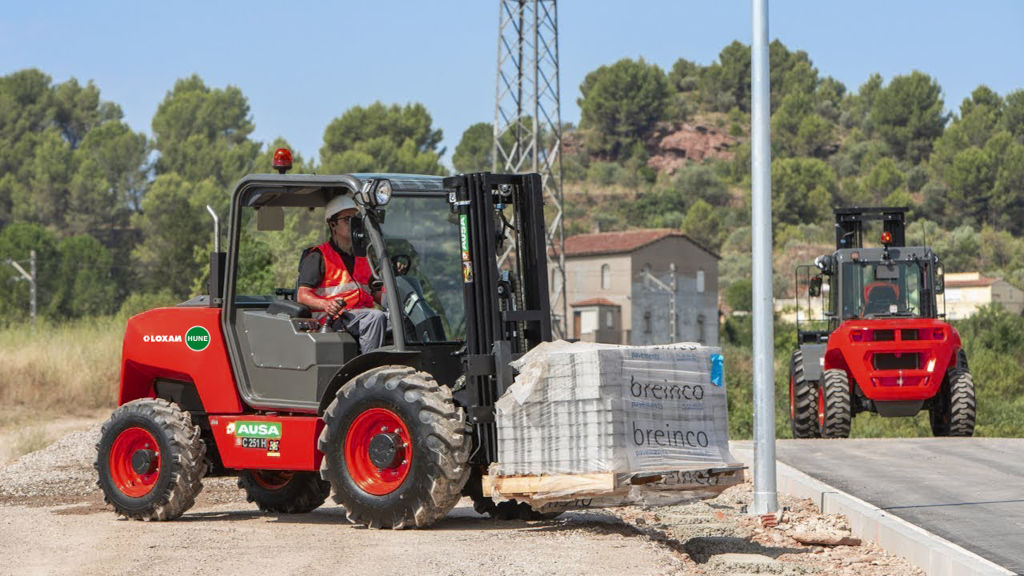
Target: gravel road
{"x": 54, "y": 522}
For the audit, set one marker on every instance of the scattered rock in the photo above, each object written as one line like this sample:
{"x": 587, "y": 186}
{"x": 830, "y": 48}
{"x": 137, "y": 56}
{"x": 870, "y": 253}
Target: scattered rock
{"x": 677, "y": 145}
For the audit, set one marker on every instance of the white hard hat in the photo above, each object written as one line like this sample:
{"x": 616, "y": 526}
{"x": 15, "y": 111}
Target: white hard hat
{"x": 338, "y": 204}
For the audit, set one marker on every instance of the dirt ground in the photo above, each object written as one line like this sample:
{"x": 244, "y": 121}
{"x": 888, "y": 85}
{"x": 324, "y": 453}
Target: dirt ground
{"x": 54, "y": 522}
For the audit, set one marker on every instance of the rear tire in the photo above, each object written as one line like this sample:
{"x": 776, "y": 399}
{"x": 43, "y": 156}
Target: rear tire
{"x": 425, "y": 442}
{"x": 803, "y": 400}
{"x": 284, "y": 491}
{"x": 955, "y": 410}
{"x": 150, "y": 460}
{"x": 834, "y": 413}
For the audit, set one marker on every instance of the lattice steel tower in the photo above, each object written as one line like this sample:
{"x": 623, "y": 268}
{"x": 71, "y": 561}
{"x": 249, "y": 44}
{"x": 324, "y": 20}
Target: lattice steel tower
{"x": 528, "y": 90}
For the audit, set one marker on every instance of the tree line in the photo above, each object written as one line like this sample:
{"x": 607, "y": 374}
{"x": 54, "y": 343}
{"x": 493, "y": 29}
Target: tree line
{"x": 115, "y": 215}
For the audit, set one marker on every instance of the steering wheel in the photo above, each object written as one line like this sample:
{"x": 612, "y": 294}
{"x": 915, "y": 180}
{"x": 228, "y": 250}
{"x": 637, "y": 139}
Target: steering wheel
{"x": 401, "y": 264}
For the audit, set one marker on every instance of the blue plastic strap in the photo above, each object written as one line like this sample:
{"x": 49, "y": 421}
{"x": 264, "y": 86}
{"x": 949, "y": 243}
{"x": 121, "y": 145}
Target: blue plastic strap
{"x": 717, "y": 369}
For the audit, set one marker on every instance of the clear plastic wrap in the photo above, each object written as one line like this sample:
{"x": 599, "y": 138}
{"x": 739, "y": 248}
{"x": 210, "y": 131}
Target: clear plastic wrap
{"x": 604, "y": 425}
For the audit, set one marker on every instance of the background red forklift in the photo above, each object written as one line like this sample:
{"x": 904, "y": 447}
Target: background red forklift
{"x": 245, "y": 383}
{"x": 881, "y": 346}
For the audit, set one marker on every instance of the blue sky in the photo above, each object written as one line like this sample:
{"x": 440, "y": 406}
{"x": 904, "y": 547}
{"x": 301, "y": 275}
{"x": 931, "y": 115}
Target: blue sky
{"x": 301, "y": 64}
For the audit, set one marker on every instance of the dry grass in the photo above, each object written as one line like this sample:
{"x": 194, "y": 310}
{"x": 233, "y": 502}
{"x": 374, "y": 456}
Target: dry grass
{"x": 70, "y": 369}
{"x": 30, "y": 440}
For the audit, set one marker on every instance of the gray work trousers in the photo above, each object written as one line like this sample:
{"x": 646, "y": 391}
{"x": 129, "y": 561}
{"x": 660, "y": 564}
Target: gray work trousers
{"x": 367, "y": 324}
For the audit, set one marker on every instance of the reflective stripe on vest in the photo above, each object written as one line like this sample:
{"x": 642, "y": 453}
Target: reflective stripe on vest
{"x": 338, "y": 283}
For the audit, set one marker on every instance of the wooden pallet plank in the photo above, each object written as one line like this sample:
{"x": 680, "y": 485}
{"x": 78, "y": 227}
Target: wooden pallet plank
{"x": 559, "y": 483}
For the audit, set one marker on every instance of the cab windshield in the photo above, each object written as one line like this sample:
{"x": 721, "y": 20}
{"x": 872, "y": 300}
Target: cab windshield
{"x": 422, "y": 238}
{"x": 882, "y": 289}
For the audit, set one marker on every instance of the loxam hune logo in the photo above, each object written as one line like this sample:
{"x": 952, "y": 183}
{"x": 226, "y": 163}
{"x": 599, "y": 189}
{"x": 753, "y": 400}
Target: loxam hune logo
{"x": 161, "y": 338}
{"x": 197, "y": 338}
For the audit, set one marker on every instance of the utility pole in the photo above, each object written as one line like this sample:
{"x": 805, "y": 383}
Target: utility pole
{"x": 671, "y": 289}
{"x": 766, "y": 500}
{"x": 528, "y": 121}
{"x": 31, "y": 277}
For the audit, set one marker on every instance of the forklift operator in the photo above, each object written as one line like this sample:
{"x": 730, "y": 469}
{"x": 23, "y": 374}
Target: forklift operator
{"x": 334, "y": 284}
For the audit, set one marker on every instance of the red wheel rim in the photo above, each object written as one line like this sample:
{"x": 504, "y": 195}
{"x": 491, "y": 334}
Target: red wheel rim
{"x": 126, "y": 478}
{"x": 366, "y": 474}
{"x": 821, "y": 408}
{"x": 272, "y": 479}
{"x": 792, "y": 397}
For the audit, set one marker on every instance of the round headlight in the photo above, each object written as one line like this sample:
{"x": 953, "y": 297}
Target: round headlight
{"x": 382, "y": 194}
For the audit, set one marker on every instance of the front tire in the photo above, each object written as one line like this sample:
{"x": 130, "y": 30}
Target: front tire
{"x": 150, "y": 460}
{"x": 395, "y": 448}
{"x": 284, "y": 491}
{"x": 954, "y": 412}
{"x": 803, "y": 400}
{"x": 834, "y": 411}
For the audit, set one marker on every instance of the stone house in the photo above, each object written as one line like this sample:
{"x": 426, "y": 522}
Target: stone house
{"x": 619, "y": 286}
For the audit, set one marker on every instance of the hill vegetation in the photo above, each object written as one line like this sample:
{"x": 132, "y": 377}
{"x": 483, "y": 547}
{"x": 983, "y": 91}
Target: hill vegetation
{"x": 117, "y": 218}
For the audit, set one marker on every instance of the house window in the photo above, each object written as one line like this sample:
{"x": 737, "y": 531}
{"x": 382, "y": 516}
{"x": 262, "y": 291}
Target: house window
{"x": 700, "y": 330}
{"x": 609, "y": 319}
{"x": 606, "y": 277}
{"x": 647, "y": 322}
{"x": 700, "y": 281}
{"x": 556, "y": 281}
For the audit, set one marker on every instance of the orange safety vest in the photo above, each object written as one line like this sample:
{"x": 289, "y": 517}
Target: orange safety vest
{"x": 338, "y": 283}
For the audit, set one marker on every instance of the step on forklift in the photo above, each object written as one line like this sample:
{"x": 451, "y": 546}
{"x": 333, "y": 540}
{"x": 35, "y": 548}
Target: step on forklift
{"x": 880, "y": 343}
{"x": 245, "y": 382}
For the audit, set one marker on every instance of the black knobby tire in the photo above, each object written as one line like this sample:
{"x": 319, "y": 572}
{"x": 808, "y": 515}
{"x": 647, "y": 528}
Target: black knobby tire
{"x": 954, "y": 411}
{"x": 284, "y": 492}
{"x": 803, "y": 400}
{"x": 440, "y": 447}
{"x": 834, "y": 408}
{"x": 168, "y": 487}
{"x": 508, "y": 509}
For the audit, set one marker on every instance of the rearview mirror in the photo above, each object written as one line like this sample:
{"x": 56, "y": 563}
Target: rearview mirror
{"x": 357, "y": 229}
{"x": 270, "y": 219}
{"x": 940, "y": 279}
{"x": 886, "y": 272}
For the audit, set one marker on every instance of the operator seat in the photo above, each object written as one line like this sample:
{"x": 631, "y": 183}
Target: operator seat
{"x": 289, "y": 306}
{"x": 879, "y": 296}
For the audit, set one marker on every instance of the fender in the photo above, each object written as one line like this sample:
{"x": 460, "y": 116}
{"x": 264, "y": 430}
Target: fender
{"x": 156, "y": 346}
{"x": 361, "y": 364}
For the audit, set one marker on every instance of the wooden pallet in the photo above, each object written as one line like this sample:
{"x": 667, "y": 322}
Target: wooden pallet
{"x": 574, "y": 486}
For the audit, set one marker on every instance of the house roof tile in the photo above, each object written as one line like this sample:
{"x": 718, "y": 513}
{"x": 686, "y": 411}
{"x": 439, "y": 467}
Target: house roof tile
{"x": 595, "y": 302}
{"x": 981, "y": 281}
{"x": 621, "y": 242}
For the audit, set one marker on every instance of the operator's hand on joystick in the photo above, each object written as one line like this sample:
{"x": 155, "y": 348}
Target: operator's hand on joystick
{"x": 334, "y": 307}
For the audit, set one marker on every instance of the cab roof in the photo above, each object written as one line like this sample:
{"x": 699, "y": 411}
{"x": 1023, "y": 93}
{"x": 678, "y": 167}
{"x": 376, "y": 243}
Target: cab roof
{"x": 314, "y": 190}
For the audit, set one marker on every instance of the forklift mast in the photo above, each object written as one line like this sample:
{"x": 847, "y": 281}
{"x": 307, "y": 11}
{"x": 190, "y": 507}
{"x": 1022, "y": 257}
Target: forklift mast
{"x": 850, "y": 225}
{"x": 505, "y": 286}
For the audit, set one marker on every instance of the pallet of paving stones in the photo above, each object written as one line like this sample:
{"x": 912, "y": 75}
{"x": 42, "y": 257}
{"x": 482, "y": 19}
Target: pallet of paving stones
{"x": 580, "y": 408}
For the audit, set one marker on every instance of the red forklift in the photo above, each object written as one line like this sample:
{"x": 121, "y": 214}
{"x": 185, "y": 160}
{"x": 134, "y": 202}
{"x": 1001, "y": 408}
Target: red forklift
{"x": 244, "y": 382}
{"x": 881, "y": 344}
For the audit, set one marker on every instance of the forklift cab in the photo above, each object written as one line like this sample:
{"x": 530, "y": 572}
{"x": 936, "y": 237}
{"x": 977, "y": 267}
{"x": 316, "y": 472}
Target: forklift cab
{"x": 279, "y": 355}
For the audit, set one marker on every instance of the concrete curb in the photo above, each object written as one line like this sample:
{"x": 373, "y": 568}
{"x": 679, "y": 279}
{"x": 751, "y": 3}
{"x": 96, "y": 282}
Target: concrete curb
{"x": 933, "y": 554}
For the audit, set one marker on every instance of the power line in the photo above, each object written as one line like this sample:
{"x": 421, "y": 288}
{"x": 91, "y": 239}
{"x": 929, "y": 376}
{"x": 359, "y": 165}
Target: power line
{"x": 526, "y": 112}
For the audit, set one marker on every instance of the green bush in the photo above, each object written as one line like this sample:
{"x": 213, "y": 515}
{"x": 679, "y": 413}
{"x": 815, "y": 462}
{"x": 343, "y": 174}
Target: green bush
{"x": 140, "y": 302}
